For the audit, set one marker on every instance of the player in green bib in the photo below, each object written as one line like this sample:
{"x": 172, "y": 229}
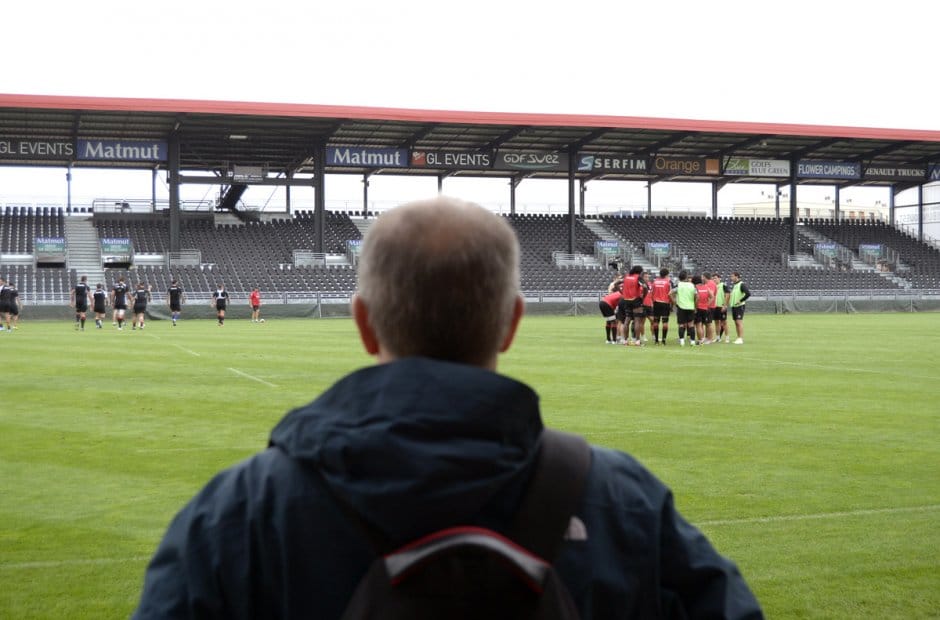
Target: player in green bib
{"x": 684, "y": 297}
{"x": 737, "y": 299}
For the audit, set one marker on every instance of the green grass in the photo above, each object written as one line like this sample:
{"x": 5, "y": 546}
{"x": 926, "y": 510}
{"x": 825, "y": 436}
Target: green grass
{"x": 810, "y": 455}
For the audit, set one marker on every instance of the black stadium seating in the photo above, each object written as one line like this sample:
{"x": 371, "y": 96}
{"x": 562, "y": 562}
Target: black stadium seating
{"x": 260, "y": 254}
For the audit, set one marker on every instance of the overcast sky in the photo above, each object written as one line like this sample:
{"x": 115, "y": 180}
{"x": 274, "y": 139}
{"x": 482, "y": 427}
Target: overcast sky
{"x": 822, "y": 62}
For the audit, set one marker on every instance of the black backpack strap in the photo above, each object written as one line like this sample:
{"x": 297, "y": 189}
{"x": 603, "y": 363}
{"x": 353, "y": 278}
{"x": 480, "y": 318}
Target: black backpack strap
{"x": 553, "y": 493}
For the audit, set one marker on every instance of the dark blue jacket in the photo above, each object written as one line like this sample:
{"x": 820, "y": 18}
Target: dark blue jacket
{"x": 418, "y": 445}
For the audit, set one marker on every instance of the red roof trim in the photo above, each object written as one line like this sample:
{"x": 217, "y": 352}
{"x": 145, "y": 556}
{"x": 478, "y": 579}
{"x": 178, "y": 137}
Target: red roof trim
{"x": 240, "y": 108}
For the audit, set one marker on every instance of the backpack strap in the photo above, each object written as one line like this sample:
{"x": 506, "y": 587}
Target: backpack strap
{"x": 553, "y": 493}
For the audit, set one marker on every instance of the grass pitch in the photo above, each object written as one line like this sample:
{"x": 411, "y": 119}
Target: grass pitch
{"x": 810, "y": 455}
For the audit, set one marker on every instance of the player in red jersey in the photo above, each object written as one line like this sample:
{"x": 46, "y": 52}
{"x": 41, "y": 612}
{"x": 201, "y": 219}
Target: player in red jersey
{"x": 710, "y": 326}
{"x": 647, "y": 304}
{"x": 703, "y": 297}
{"x": 633, "y": 293}
{"x": 661, "y": 290}
{"x": 608, "y": 305}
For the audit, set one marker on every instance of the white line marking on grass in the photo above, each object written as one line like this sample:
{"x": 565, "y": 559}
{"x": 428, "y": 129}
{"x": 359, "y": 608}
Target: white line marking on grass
{"x": 820, "y": 515}
{"x": 881, "y": 372}
{"x": 182, "y": 348}
{"x": 60, "y": 563}
{"x": 247, "y": 376}
{"x": 178, "y": 346}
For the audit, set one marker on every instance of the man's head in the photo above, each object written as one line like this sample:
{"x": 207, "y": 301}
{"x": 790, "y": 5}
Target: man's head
{"x": 439, "y": 278}
{"x": 84, "y": 279}
{"x": 683, "y": 275}
{"x": 663, "y": 272}
{"x": 735, "y": 276}
{"x": 636, "y": 270}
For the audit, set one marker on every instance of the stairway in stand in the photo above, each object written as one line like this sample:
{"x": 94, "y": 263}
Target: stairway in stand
{"x": 84, "y": 250}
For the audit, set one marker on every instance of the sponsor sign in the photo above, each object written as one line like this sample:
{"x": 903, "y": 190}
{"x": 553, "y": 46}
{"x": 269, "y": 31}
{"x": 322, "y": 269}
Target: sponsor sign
{"x": 247, "y": 174}
{"x": 452, "y": 160}
{"x": 826, "y": 249}
{"x": 896, "y": 173}
{"x": 743, "y": 166}
{"x": 49, "y": 245}
{"x": 608, "y": 248}
{"x": 737, "y": 166}
{"x": 532, "y": 160}
{"x": 365, "y": 157}
{"x": 769, "y": 168}
{"x": 660, "y": 248}
{"x": 112, "y": 246}
{"x": 869, "y": 249}
{"x": 588, "y": 162}
{"x": 121, "y": 150}
{"x": 821, "y": 169}
{"x": 14, "y": 148}
{"x": 685, "y": 166}
{"x": 933, "y": 172}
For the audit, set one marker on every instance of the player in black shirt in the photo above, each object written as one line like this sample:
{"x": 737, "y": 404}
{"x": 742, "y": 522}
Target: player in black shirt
{"x": 79, "y": 301}
{"x": 141, "y": 296}
{"x": 220, "y": 299}
{"x": 100, "y": 300}
{"x": 13, "y": 314}
{"x": 119, "y": 301}
{"x": 175, "y": 299}
{"x": 4, "y": 301}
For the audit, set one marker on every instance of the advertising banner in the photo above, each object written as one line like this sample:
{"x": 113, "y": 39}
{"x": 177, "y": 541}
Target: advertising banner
{"x": 660, "y": 248}
{"x": 49, "y": 249}
{"x": 737, "y": 166}
{"x": 609, "y": 248}
{"x": 826, "y": 249}
{"x": 15, "y": 148}
{"x": 112, "y": 246}
{"x": 364, "y": 157}
{"x": 933, "y": 173}
{"x": 532, "y": 161}
{"x": 820, "y": 169}
{"x": 121, "y": 150}
{"x": 685, "y": 166}
{"x": 588, "y": 162}
{"x": 247, "y": 174}
{"x": 743, "y": 166}
{"x": 452, "y": 160}
{"x": 895, "y": 173}
{"x": 869, "y": 249}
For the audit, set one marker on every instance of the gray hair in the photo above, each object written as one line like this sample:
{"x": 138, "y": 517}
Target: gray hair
{"x": 440, "y": 278}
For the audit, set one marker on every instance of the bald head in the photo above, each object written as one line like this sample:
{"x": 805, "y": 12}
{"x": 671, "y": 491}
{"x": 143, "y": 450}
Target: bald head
{"x": 440, "y": 278}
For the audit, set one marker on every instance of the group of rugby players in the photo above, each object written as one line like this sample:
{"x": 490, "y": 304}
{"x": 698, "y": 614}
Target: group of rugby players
{"x": 82, "y": 296}
{"x": 701, "y": 304}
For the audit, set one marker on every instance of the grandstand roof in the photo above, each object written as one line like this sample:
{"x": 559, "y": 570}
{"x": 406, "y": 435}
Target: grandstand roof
{"x": 282, "y": 138}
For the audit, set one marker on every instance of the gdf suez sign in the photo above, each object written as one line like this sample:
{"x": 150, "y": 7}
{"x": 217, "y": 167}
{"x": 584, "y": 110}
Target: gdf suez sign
{"x": 532, "y": 160}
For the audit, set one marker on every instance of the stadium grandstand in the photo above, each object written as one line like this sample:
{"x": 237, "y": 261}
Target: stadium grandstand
{"x": 300, "y": 256}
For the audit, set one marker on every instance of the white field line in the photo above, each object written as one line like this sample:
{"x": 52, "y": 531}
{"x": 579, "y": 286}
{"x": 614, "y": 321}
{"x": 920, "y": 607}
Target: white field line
{"x": 820, "y": 515}
{"x": 772, "y": 519}
{"x": 247, "y": 376}
{"x": 880, "y": 372}
{"x": 76, "y": 562}
{"x": 178, "y": 346}
{"x": 182, "y": 348}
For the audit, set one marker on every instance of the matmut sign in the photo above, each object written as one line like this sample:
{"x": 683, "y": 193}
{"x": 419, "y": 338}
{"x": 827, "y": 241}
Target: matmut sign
{"x": 121, "y": 150}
